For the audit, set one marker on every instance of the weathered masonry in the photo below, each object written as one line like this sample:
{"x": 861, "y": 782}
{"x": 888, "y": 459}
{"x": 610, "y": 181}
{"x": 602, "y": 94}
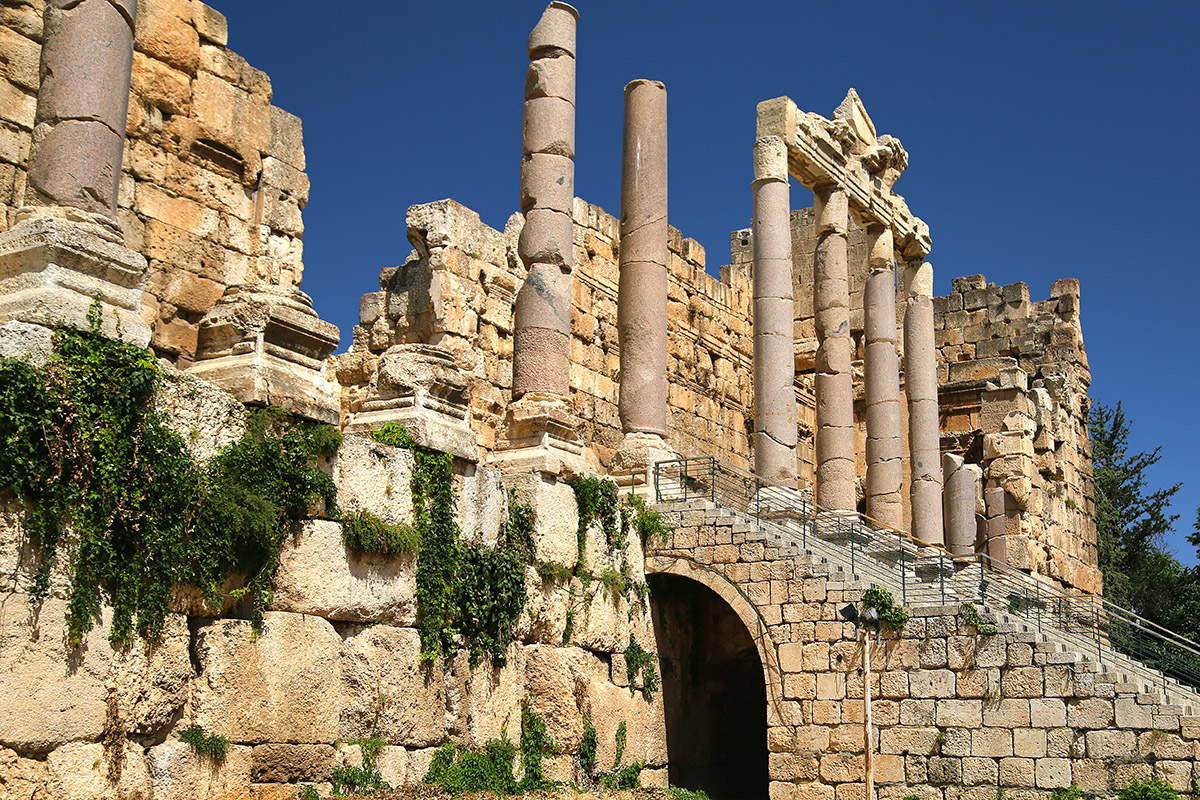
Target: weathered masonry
{"x": 811, "y": 418}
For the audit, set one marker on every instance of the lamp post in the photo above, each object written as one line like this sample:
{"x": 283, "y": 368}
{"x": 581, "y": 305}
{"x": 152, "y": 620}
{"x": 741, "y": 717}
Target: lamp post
{"x": 867, "y": 619}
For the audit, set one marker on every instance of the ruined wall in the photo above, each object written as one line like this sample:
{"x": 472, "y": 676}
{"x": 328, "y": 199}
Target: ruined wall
{"x": 1013, "y": 382}
{"x": 338, "y": 657}
{"x": 456, "y": 290}
{"x": 213, "y": 175}
{"x": 957, "y": 715}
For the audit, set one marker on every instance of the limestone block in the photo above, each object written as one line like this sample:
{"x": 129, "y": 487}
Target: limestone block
{"x": 484, "y": 701}
{"x": 286, "y": 137}
{"x": 21, "y": 778}
{"x": 550, "y": 686}
{"x": 205, "y": 417}
{"x": 289, "y": 763}
{"x": 79, "y": 771}
{"x": 242, "y": 675}
{"x": 374, "y": 477}
{"x": 177, "y": 772}
{"x": 557, "y": 515}
{"x": 152, "y": 681}
{"x": 389, "y": 689}
{"x": 318, "y": 574}
{"x": 482, "y": 504}
{"x": 601, "y": 624}
{"x": 167, "y": 37}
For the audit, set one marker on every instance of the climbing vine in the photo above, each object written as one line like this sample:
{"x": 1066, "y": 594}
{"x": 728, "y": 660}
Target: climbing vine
{"x": 83, "y": 449}
{"x": 971, "y": 616}
{"x": 638, "y": 660}
{"x": 464, "y": 591}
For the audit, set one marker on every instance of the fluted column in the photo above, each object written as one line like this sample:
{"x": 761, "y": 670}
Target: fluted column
{"x": 834, "y": 382}
{"x": 920, "y": 381}
{"x": 885, "y": 453}
{"x": 775, "y": 435}
{"x": 543, "y": 307}
{"x": 83, "y": 100}
{"x": 642, "y": 294}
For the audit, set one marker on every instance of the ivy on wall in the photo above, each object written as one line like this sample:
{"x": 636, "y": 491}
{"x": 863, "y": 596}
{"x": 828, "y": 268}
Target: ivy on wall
{"x": 83, "y": 450}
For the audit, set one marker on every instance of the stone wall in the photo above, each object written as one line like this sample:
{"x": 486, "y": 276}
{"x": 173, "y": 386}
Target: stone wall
{"x": 1014, "y": 380}
{"x": 338, "y": 657}
{"x": 456, "y": 290}
{"x": 957, "y": 714}
{"x": 213, "y": 176}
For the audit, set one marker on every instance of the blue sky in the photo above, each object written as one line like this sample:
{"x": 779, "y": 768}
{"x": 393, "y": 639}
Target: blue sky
{"x": 1046, "y": 140}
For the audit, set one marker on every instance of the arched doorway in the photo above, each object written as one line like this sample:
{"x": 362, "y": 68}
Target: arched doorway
{"x": 714, "y": 695}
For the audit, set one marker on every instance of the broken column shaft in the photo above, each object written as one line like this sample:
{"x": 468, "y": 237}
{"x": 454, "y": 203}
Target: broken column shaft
{"x": 885, "y": 466}
{"x": 79, "y": 127}
{"x": 775, "y": 433}
{"x": 959, "y": 505}
{"x": 834, "y": 382}
{"x": 642, "y": 294}
{"x": 920, "y": 381}
{"x": 543, "y": 307}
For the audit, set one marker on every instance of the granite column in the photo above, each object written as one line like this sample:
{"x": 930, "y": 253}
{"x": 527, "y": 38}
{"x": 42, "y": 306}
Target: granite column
{"x": 885, "y": 465}
{"x": 835, "y": 490}
{"x": 920, "y": 380}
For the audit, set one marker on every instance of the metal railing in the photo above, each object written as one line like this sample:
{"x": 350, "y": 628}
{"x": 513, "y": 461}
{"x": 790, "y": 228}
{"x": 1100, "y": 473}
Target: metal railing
{"x": 922, "y": 574}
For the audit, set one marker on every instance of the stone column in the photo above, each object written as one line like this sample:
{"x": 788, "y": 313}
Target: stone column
{"x": 994, "y": 526}
{"x": 775, "y": 435}
{"x": 885, "y": 454}
{"x": 642, "y": 294}
{"x": 540, "y": 430}
{"x": 959, "y": 508}
{"x": 79, "y": 128}
{"x": 543, "y": 308}
{"x": 66, "y": 248}
{"x": 834, "y": 382}
{"x": 920, "y": 381}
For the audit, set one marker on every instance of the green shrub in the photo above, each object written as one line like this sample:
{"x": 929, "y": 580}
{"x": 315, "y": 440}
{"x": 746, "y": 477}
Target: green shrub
{"x": 880, "y": 599}
{"x": 367, "y": 533}
{"x": 210, "y": 745}
{"x": 648, "y": 524}
{"x": 460, "y": 771}
{"x": 638, "y": 660}
{"x": 364, "y": 779}
{"x": 679, "y": 793}
{"x": 1152, "y": 789}
{"x": 971, "y": 616}
{"x": 1072, "y": 792}
{"x": 535, "y": 743}
{"x": 308, "y": 792}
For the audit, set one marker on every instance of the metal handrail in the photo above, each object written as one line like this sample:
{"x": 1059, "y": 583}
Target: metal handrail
{"x": 925, "y": 573}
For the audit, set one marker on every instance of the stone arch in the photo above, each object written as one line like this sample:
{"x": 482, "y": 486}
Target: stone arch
{"x": 777, "y": 710}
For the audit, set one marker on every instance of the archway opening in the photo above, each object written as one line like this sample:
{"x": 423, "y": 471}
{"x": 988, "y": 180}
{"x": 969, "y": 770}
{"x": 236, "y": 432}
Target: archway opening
{"x": 713, "y": 690}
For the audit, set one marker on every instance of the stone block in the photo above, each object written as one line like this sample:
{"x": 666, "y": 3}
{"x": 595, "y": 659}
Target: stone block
{"x": 1052, "y": 773}
{"x": 557, "y": 515}
{"x": 1048, "y": 713}
{"x": 959, "y": 713}
{"x": 375, "y": 478}
{"x": 550, "y": 685}
{"x": 177, "y": 772}
{"x": 79, "y": 771}
{"x": 242, "y": 672}
{"x": 389, "y": 689}
{"x": 1131, "y": 714}
{"x": 289, "y": 763}
{"x": 319, "y": 574}
{"x": 931, "y": 683}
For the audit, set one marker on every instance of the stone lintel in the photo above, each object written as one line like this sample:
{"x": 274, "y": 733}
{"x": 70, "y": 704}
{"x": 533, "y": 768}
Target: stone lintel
{"x": 53, "y": 267}
{"x": 822, "y": 154}
{"x": 266, "y": 346}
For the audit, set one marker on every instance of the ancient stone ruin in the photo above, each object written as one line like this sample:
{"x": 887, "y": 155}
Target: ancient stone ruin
{"x": 809, "y": 423}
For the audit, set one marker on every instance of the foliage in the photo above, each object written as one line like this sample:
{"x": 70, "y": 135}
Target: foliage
{"x": 587, "y": 748}
{"x": 462, "y": 590}
{"x": 619, "y": 739}
{"x": 308, "y": 792}
{"x": 535, "y": 743}
{"x": 82, "y": 447}
{"x": 638, "y": 660}
{"x": 1153, "y": 789}
{"x": 597, "y": 500}
{"x": 880, "y": 599}
{"x": 461, "y": 771}
{"x": 624, "y": 778}
{"x": 551, "y": 571}
{"x": 679, "y": 793}
{"x": 971, "y": 616}
{"x": 367, "y": 533}
{"x": 1132, "y": 522}
{"x": 364, "y": 779}
{"x": 647, "y": 522}
{"x": 614, "y": 583}
{"x": 1072, "y": 792}
{"x": 210, "y": 745}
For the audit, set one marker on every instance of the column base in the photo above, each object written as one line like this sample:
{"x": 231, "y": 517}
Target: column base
{"x": 632, "y": 467}
{"x": 420, "y": 387}
{"x": 55, "y": 263}
{"x": 541, "y": 433}
{"x": 266, "y": 346}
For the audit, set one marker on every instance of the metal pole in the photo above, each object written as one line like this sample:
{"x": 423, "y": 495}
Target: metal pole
{"x": 903, "y": 575}
{"x": 868, "y": 765}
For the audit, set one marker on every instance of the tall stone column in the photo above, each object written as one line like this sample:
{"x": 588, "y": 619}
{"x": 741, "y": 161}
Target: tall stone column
{"x": 540, "y": 430}
{"x": 775, "y": 435}
{"x": 543, "y": 308}
{"x": 885, "y": 453}
{"x": 834, "y": 382}
{"x": 920, "y": 381}
{"x": 67, "y": 248}
{"x": 642, "y": 292}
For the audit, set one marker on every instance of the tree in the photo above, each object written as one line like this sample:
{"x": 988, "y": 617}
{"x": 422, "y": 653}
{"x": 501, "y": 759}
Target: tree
{"x": 1131, "y": 524}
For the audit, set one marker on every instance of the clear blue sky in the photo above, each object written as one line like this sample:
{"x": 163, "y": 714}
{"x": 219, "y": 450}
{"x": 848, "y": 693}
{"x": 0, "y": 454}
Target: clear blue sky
{"x": 1046, "y": 140}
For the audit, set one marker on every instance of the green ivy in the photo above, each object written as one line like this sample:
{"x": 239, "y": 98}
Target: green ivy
{"x": 597, "y": 500}
{"x": 535, "y": 744}
{"x": 647, "y": 522}
{"x": 621, "y": 777}
{"x": 364, "y": 779}
{"x": 1152, "y": 789}
{"x": 587, "y": 747}
{"x": 971, "y": 616}
{"x": 882, "y": 601}
{"x": 82, "y": 447}
{"x": 466, "y": 591}
{"x": 459, "y": 771}
{"x": 367, "y": 533}
{"x": 638, "y": 660}
{"x": 209, "y": 745}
